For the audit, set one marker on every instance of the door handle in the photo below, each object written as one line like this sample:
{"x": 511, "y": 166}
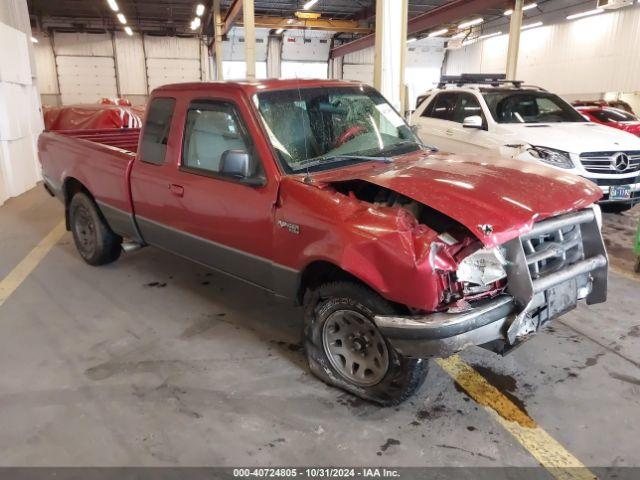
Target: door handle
{"x": 177, "y": 190}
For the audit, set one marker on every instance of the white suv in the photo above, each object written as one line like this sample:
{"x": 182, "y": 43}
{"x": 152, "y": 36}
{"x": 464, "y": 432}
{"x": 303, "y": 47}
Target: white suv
{"x": 531, "y": 124}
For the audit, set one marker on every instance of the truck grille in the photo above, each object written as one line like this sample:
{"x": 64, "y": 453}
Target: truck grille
{"x": 553, "y": 245}
{"x": 611, "y": 162}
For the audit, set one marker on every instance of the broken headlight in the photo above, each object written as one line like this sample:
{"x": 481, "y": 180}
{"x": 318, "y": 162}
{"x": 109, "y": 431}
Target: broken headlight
{"x": 483, "y": 267}
{"x": 557, "y": 158}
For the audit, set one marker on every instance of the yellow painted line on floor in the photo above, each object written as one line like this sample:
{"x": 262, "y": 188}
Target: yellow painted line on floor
{"x": 545, "y": 449}
{"x": 14, "y": 279}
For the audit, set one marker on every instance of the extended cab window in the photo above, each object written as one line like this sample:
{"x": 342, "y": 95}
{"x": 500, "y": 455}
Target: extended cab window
{"x": 156, "y": 130}
{"x": 442, "y": 107}
{"x": 213, "y": 131}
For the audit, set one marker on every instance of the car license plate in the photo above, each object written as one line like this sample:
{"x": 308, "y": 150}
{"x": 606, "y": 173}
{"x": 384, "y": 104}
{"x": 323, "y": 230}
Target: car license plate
{"x": 622, "y": 192}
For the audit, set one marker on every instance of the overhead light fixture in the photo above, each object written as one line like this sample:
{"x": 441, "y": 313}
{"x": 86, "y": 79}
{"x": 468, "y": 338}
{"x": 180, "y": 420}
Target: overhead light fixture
{"x": 122, "y": 19}
{"x": 526, "y": 7}
{"x": 113, "y": 5}
{"x": 279, "y": 31}
{"x": 437, "y": 33}
{"x": 195, "y": 23}
{"x": 531, "y": 25}
{"x": 489, "y": 35}
{"x": 309, "y": 4}
{"x": 128, "y": 30}
{"x": 412, "y": 39}
{"x": 34, "y": 40}
{"x": 588, "y": 13}
{"x": 199, "y": 9}
{"x": 470, "y": 23}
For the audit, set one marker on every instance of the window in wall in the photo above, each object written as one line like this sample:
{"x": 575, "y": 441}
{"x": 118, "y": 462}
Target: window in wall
{"x": 156, "y": 131}
{"x": 305, "y": 70}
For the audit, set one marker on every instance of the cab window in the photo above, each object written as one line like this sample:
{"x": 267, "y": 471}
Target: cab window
{"x": 442, "y": 107}
{"x": 156, "y": 131}
{"x": 467, "y": 106}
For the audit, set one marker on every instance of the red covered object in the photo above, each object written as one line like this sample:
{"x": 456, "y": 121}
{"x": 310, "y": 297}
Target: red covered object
{"x": 90, "y": 116}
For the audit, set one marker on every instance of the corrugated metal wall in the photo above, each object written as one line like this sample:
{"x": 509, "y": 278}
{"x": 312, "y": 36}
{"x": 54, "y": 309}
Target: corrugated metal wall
{"x": 591, "y": 55}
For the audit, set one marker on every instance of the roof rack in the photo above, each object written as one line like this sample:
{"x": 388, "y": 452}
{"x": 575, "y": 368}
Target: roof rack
{"x": 493, "y": 79}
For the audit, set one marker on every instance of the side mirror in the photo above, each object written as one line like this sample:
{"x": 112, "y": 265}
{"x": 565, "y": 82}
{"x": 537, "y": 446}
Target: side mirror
{"x": 238, "y": 164}
{"x": 474, "y": 121}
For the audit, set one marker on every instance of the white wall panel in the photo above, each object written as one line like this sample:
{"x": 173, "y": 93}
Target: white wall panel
{"x": 361, "y": 57}
{"x": 83, "y": 44}
{"x": 130, "y": 63}
{"x": 358, "y": 73}
{"x": 594, "y": 54}
{"x": 170, "y": 70}
{"x": 13, "y": 51}
{"x": 171, "y": 47}
{"x": 45, "y": 66}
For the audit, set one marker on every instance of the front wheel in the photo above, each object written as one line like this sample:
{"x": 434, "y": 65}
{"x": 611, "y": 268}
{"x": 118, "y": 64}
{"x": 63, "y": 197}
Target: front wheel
{"x": 95, "y": 241}
{"x": 344, "y": 347}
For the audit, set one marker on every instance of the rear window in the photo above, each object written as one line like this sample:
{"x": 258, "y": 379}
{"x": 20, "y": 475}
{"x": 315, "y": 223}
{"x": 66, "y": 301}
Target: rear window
{"x": 156, "y": 131}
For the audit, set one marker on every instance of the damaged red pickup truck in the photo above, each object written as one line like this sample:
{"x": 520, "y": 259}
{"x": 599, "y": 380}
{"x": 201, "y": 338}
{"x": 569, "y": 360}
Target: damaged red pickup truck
{"x": 319, "y": 191}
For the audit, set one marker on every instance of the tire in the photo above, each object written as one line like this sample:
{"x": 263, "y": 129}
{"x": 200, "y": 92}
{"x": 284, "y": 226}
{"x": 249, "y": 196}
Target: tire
{"x": 95, "y": 241}
{"x": 326, "y": 310}
{"x": 616, "y": 207}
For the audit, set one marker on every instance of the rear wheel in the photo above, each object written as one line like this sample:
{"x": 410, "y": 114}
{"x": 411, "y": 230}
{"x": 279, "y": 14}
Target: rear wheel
{"x": 95, "y": 241}
{"x": 344, "y": 347}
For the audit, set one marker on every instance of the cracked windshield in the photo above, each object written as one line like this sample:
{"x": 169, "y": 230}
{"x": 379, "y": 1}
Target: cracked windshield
{"x": 316, "y": 129}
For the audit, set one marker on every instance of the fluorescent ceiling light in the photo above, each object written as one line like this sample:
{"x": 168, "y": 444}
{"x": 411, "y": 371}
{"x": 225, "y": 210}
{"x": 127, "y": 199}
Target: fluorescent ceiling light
{"x": 199, "y": 9}
{"x": 470, "y": 23}
{"x": 489, "y": 35}
{"x": 412, "y": 39}
{"x": 279, "y": 31}
{"x": 526, "y": 7}
{"x": 122, "y": 19}
{"x": 531, "y": 25}
{"x": 588, "y": 13}
{"x": 437, "y": 33}
{"x": 34, "y": 40}
{"x": 195, "y": 23}
{"x": 113, "y": 5}
{"x": 128, "y": 30}
{"x": 309, "y": 4}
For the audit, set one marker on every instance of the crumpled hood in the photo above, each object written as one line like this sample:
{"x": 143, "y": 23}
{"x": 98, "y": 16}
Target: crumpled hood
{"x": 496, "y": 199}
{"x": 576, "y": 137}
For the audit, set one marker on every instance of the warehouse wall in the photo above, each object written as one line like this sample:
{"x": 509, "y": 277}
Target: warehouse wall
{"x": 84, "y": 67}
{"x": 580, "y": 58}
{"x": 422, "y": 68}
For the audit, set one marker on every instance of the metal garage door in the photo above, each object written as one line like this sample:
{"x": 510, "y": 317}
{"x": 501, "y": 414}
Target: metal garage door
{"x": 172, "y": 60}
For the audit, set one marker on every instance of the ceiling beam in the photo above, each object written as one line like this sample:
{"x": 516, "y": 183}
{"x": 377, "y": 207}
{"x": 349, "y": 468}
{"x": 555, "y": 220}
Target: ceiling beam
{"x": 231, "y": 16}
{"x": 343, "y": 26}
{"x": 447, "y": 13}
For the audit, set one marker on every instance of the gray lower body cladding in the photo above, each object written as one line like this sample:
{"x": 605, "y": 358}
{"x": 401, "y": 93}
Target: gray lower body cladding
{"x": 537, "y": 291}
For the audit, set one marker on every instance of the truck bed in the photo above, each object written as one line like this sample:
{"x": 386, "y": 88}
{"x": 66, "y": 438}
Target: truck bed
{"x": 98, "y": 159}
{"x": 126, "y": 139}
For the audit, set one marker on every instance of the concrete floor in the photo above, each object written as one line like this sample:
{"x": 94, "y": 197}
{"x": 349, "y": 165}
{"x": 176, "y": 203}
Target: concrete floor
{"x": 155, "y": 361}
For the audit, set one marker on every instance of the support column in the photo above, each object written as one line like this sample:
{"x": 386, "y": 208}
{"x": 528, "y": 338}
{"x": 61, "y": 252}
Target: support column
{"x": 274, "y": 56}
{"x": 248, "y": 20}
{"x": 390, "y": 50}
{"x": 217, "y": 39}
{"x": 514, "y": 40}
{"x": 335, "y": 68}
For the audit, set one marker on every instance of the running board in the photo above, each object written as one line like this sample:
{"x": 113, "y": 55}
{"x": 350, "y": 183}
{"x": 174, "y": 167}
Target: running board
{"x": 128, "y": 247}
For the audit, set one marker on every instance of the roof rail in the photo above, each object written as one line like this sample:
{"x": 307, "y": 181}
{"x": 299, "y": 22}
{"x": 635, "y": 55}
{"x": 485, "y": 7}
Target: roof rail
{"x": 493, "y": 79}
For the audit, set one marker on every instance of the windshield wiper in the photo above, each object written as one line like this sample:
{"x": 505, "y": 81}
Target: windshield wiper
{"x": 314, "y": 162}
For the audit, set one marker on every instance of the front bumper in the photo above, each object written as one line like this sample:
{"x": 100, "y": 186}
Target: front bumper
{"x": 505, "y": 321}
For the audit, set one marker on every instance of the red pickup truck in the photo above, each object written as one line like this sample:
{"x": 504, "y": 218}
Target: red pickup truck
{"x": 319, "y": 191}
